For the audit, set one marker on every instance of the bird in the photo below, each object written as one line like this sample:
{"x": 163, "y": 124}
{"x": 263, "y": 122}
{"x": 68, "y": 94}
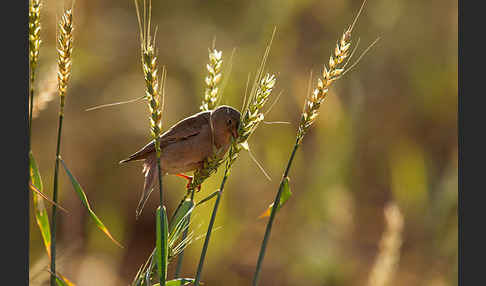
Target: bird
{"x": 186, "y": 145}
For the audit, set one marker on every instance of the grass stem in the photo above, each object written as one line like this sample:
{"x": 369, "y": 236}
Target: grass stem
{"x": 162, "y": 221}
{"x": 184, "y": 236}
{"x": 210, "y": 229}
{"x": 272, "y": 217}
{"x": 55, "y": 195}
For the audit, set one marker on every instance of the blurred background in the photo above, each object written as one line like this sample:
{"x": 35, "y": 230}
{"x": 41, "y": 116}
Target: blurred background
{"x": 386, "y": 134}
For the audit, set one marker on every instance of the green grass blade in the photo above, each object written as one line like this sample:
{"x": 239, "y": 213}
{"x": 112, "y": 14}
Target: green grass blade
{"x": 40, "y": 211}
{"x": 161, "y": 251}
{"x": 178, "y": 282}
{"x": 286, "y": 193}
{"x": 79, "y": 190}
{"x": 42, "y": 195}
{"x": 61, "y": 280}
{"x": 179, "y": 220}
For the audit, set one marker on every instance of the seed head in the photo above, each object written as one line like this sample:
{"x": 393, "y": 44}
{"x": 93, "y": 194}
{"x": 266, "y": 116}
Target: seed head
{"x": 329, "y": 75}
{"x": 64, "y": 51}
{"x": 34, "y": 36}
{"x": 212, "y": 80}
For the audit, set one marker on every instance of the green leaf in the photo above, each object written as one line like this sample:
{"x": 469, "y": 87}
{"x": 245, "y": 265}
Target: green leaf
{"x": 177, "y": 282}
{"x": 62, "y": 281}
{"x": 286, "y": 193}
{"x": 161, "y": 242}
{"x": 179, "y": 219}
{"x": 40, "y": 211}
{"x": 79, "y": 190}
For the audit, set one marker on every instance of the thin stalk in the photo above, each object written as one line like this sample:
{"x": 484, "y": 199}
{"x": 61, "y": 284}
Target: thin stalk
{"x": 162, "y": 221}
{"x": 181, "y": 255}
{"x": 210, "y": 229}
{"x": 54, "y": 196}
{"x": 31, "y": 109}
{"x": 272, "y": 217}
{"x": 184, "y": 236}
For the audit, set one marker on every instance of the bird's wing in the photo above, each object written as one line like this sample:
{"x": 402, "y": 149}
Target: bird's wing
{"x": 182, "y": 130}
{"x": 185, "y": 128}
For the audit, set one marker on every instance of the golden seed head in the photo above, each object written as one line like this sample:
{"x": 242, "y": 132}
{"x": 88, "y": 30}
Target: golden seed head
{"x": 34, "y": 35}
{"x": 329, "y": 75}
{"x": 154, "y": 83}
{"x": 253, "y": 115}
{"x": 210, "y": 99}
{"x": 64, "y": 50}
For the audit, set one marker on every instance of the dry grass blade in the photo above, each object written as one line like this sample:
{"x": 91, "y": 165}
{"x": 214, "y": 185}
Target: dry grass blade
{"x": 115, "y": 103}
{"x": 45, "y": 197}
{"x": 391, "y": 241}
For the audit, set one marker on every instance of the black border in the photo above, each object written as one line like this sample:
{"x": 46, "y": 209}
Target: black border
{"x": 15, "y": 144}
{"x": 14, "y": 137}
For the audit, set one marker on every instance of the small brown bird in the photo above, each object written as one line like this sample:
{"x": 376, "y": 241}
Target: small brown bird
{"x": 186, "y": 145}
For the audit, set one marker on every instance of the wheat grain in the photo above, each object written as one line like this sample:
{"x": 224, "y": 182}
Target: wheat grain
{"x": 212, "y": 80}
{"x": 64, "y": 50}
{"x": 34, "y": 36}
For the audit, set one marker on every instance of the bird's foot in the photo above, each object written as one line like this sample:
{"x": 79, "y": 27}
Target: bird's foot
{"x": 189, "y": 178}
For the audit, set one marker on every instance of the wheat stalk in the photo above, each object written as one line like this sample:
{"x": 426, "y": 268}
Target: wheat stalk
{"x": 329, "y": 75}
{"x": 252, "y": 116}
{"x": 212, "y": 80}
{"x": 151, "y": 74}
{"x": 64, "y": 50}
{"x": 154, "y": 91}
{"x": 310, "y": 111}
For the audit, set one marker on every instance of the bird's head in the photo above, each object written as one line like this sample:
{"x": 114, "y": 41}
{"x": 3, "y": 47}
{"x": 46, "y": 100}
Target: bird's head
{"x": 226, "y": 119}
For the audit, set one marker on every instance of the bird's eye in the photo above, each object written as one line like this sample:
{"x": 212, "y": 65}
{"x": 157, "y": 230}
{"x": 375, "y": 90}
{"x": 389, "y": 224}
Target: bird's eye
{"x": 229, "y": 121}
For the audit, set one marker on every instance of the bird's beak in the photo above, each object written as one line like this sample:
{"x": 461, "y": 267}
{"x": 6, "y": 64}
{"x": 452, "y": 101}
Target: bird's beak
{"x": 234, "y": 133}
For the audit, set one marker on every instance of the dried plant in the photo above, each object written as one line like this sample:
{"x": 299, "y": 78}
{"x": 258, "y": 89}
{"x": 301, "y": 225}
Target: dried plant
{"x": 391, "y": 241}
{"x": 212, "y": 81}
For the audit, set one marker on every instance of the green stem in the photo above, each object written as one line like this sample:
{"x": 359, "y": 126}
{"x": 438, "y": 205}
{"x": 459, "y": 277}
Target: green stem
{"x": 54, "y": 196}
{"x": 162, "y": 221}
{"x": 210, "y": 228}
{"x": 184, "y": 235}
{"x": 272, "y": 217}
{"x": 31, "y": 109}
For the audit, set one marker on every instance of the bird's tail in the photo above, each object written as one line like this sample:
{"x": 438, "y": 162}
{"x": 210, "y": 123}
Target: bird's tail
{"x": 149, "y": 170}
